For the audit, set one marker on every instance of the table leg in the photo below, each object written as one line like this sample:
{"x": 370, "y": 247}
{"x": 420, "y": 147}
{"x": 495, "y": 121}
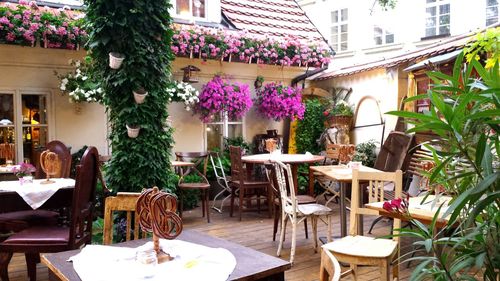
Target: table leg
{"x": 343, "y": 215}
{"x": 360, "y": 217}
{"x": 311, "y": 182}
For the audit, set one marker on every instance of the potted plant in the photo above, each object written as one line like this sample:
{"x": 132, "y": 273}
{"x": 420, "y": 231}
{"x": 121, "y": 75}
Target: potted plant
{"x": 219, "y": 95}
{"x": 277, "y": 101}
{"x": 80, "y": 84}
{"x": 23, "y": 172}
{"x": 258, "y": 82}
{"x": 133, "y": 131}
{"x": 139, "y": 95}
{"x": 339, "y": 113}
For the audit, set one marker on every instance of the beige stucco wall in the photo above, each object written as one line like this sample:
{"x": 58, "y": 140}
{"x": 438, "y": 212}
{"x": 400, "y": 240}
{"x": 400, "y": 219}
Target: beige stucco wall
{"x": 386, "y": 86}
{"x": 32, "y": 69}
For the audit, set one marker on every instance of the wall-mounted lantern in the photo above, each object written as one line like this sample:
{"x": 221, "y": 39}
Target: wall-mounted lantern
{"x": 190, "y": 74}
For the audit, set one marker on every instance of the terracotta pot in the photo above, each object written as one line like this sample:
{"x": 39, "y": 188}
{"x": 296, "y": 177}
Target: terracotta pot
{"x": 140, "y": 95}
{"x": 115, "y": 60}
{"x": 338, "y": 120}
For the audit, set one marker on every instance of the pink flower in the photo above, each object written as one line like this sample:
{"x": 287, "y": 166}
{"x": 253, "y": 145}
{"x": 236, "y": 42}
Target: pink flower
{"x": 10, "y": 37}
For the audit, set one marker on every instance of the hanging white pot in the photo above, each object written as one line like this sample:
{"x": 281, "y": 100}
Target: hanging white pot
{"x": 140, "y": 95}
{"x": 115, "y": 60}
{"x": 133, "y": 131}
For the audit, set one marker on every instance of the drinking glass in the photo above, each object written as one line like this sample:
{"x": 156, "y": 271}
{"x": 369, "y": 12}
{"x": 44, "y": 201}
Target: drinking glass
{"x": 147, "y": 261}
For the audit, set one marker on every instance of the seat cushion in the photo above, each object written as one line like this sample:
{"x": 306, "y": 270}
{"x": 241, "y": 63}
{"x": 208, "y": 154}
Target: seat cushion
{"x": 40, "y": 235}
{"x": 310, "y": 209}
{"x": 32, "y": 217}
{"x": 363, "y": 246}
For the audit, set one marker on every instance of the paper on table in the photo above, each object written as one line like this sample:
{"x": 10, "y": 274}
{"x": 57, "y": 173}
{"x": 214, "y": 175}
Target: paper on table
{"x": 191, "y": 262}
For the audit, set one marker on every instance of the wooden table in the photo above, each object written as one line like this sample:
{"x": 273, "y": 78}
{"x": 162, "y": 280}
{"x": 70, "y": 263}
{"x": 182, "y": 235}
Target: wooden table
{"x": 293, "y": 159}
{"x": 343, "y": 175}
{"x": 423, "y": 212}
{"x": 250, "y": 264}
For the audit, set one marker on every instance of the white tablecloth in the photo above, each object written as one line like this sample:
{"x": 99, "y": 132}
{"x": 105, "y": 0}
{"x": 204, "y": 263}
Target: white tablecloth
{"x": 35, "y": 194}
{"x": 191, "y": 262}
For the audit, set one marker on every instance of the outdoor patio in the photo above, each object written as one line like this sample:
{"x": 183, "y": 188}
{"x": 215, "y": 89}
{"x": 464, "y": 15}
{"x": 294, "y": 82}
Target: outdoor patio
{"x": 255, "y": 231}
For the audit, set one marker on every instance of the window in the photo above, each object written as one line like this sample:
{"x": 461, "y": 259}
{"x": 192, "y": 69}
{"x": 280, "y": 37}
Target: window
{"x": 491, "y": 12}
{"x": 437, "y": 21}
{"x": 23, "y": 126}
{"x": 222, "y": 128}
{"x": 190, "y": 8}
{"x": 382, "y": 36}
{"x": 339, "y": 30}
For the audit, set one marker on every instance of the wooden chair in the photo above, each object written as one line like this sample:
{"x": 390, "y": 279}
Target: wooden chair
{"x": 49, "y": 239}
{"x": 200, "y": 158}
{"x": 123, "y": 201}
{"x": 301, "y": 199}
{"x": 329, "y": 269}
{"x": 240, "y": 184}
{"x": 362, "y": 250}
{"x": 296, "y": 213}
{"x": 64, "y": 156}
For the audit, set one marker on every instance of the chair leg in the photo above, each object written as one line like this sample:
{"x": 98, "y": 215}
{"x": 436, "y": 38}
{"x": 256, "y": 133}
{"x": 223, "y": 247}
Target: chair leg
{"x": 277, "y": 215}
{"x": 31, "y": 261}
{"x": 314, "y": 222}
{"x": 240, "y": 206}
{"x": 181, "y": 206}
{"x": 5, "y": 258}
{"x": 294, "y": 241}
{"x": 202, "y": 197}
{"x": 385, "y": 273}
{"x": 354, "y": 271}
{"x": 233, "y": 194}
{"x": 305, "y": 229}
{"x": 207, "y": 208}
{"x": 329, "y": 222}
{"x": 395, "y": 270}
{"x": 270, "y": 200}
{"x": 282, "y": 233}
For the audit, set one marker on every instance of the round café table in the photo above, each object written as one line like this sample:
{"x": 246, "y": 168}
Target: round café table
{"x": 293, "y": 159}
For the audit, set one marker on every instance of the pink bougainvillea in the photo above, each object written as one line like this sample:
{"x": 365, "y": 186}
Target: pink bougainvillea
{"x": 220, "y": 95}
{"x": 278, "y": 102}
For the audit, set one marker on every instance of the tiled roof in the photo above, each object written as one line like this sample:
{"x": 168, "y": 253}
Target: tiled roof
{"x": 270, "y": 17}
{"x": 444, "y": 46}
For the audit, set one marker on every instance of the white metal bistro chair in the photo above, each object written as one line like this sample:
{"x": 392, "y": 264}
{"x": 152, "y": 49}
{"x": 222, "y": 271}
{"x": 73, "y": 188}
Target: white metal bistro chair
{"x": 295, "y": 212}
{"x": 222, "y": 181}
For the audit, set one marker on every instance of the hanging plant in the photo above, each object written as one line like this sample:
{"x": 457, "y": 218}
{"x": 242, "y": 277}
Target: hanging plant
{"x": 79, "y": 84}
{"x": 183, "y": 92}
{"x": 278, "y": 102}
{"x": 220, "y": 95}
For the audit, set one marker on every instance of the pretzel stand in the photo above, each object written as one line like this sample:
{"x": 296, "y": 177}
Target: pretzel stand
{"x": 51, "y": 165}
{"x": 157, "y": 214}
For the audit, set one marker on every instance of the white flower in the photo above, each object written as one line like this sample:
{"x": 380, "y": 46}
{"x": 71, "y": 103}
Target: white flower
{"x": 64, "y": 81}
{"x": 77, "y": 63}
{"x": 63, "y": 87}
{"x": 99, "y": 90}
{"x": 84, "y": 78}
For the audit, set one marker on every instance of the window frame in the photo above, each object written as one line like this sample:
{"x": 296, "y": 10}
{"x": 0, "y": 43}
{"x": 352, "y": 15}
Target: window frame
{"x": 437, "y": 4}
{"x": 494, "y": 17}
{"x": 190, "y": 16}
{"x": 18, "y": 120}
{"x": 224, "y": 123}
{"x": 383, "y": 36}
{"x": 338, "y": 25}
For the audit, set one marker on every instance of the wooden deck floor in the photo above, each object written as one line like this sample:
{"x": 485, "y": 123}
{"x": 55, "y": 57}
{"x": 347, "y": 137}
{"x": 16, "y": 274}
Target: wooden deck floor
{"x": 255, "y": 231}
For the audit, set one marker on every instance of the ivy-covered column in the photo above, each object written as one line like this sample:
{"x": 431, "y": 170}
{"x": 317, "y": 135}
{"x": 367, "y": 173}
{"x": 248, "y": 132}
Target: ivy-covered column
{"x": 139, "y": 31}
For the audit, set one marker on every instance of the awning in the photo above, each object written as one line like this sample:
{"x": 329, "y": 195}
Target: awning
{"x": 434, "y": 60}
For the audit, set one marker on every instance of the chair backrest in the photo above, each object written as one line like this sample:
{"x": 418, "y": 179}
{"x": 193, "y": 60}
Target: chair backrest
{"x": 64, "y": 157}
{"x": 340, "y": 153}
{"x": 84, "y": 199}
{"x": 237, "y": 171}
{"x": 284, "y": 175}
{"x": 393, "y": 152}
{"x": 199, "y": 158}
{"x": 123, "y": 201}
{"x": 329, "y": 267}
{"x": 376, "y": 182}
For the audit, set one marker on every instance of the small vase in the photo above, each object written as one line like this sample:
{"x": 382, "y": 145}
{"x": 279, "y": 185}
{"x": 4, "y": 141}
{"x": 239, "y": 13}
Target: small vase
{"x": 28, "y": 179}
{"x": 133, "y": 131}
{"x": 140, "y": 95}
{"x": 115, "y": 60}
